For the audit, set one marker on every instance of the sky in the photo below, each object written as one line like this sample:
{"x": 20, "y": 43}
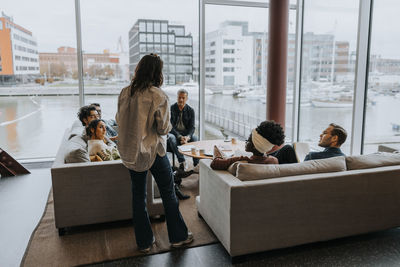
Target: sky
{"x": 103, "y": 21}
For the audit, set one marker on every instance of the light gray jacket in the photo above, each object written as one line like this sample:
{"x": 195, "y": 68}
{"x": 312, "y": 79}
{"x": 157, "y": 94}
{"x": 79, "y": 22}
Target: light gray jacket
{"x": 144, "y": 121}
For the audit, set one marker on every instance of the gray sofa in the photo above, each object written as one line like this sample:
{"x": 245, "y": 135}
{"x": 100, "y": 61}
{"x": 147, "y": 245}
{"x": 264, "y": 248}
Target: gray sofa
{"x": 265, "y": 207}
{"x": 92, "y": 192}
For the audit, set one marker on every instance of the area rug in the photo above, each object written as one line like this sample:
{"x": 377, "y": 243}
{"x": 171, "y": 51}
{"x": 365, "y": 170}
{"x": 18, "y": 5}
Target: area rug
{"x": 99, "y": 243}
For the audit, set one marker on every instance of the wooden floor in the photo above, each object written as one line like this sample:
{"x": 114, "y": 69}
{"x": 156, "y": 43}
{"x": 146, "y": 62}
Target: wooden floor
{"x": 23, "y": 199}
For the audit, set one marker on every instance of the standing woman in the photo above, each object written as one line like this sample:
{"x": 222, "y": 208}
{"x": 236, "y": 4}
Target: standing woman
{"x": 143, "y": 118}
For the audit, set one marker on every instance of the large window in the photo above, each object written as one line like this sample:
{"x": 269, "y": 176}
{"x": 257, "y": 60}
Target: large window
{"x": 238, "y": 84}
{"x": 382, "y": 122}
{"x": 44, "y": 67}
{"x": 118, "y": 53}
{"x": 41, "y": 76}
{"x": 236, "y": 56}
{"x": 327, "y": 82}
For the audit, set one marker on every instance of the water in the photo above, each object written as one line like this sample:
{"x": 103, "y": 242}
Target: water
{"x": 32, "y": 127}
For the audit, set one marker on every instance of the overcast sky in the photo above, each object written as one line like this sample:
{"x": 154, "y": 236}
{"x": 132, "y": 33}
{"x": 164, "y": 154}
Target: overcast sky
{"x": 103, "y": 21}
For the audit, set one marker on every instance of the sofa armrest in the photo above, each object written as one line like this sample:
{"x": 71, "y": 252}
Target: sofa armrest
{"x": 215, "y": 199}
{"x": 95, "y": 192}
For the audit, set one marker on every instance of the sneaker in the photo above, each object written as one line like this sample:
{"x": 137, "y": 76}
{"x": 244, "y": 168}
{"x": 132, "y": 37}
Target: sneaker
{"x": 196, "y": 169}
{"x": 184, "y": 242}
{"x": 147, "y": 250}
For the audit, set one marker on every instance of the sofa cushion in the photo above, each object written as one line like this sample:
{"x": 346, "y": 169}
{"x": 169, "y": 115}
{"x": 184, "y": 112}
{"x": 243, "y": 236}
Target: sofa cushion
{"x": 76, "y": 150}
{"x": 249, "y": 172}
{"x": 375, "y": 160}
{"x": 76, "y": 130}
{"x": 233, "y": 167}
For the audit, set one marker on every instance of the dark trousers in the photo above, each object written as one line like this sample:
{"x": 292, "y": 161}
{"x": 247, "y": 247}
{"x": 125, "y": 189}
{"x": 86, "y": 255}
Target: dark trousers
{"x": 285, "y": 155}
{"x": 162, "y": 173}
{"x": 173, "y": 144}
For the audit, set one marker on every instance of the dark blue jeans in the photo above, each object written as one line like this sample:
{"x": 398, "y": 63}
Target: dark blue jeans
{"x": 162, "y": 173}
{"x": 285, "y": 155}
{"x": 173, "y": 144}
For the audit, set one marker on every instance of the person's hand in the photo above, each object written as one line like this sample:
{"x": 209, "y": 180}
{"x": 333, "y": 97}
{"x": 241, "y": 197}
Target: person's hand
{"x": 217, "y": 153}
{"x": 272, "y": 160}
{"x": 183, "y": 140}
{"x": 114, "y": 138}
{"x": 95, "y": 158}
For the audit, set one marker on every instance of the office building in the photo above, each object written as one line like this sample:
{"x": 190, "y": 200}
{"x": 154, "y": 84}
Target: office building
{"x": 167, "y": 40}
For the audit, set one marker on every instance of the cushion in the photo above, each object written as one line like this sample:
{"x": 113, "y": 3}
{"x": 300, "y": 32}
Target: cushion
{"x": 233, "y": 168}
{"x": 372, "y": 160}
{"x": 76, "y": 150}
{"x": 301, "y": 150}
{"x": 76, "y": 130}
{"x": 249, "y": 172}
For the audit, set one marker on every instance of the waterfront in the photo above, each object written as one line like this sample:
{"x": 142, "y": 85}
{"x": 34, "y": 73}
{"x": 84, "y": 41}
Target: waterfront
{"x": 32, "y": 126}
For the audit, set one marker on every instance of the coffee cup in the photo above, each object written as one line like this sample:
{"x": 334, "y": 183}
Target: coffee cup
{"x": 193, "y": 150}
{"x": 234, "y": 141}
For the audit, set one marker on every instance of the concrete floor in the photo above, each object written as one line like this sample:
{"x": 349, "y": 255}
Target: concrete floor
{"x": 22, "y": 202}
{"x": 23, "y": 199}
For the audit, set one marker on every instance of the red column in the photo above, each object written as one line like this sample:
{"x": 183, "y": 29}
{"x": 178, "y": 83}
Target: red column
{"x": 277, "y": 60}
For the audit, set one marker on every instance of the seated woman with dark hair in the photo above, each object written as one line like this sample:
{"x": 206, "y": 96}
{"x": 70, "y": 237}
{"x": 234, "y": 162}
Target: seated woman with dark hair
{"x": 261, "y": 140}
{"x": 100, "y": 147}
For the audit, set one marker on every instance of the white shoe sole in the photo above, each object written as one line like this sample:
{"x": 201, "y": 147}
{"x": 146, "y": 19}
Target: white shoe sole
{"x": 184, "y": 242}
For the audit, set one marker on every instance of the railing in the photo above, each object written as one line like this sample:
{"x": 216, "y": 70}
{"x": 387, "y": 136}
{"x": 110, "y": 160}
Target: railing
{"x": 233, "y": 122}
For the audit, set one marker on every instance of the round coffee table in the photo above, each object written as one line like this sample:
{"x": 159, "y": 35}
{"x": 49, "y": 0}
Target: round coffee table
{"x": 208, "y": 146}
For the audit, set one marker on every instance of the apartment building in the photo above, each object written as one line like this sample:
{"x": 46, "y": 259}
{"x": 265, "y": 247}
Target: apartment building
{"x": 19, "y": 59}
{"x": 235, "y": 56}
{"x": 169, "y": 41}
{"x": 64, "y": 63}
{"x": 229, "y": 54}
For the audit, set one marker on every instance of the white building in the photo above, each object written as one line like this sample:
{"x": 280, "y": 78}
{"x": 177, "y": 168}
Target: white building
{"x": 233, "y": 56}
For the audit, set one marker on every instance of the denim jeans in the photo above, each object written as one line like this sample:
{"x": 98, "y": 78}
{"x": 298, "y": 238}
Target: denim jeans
{"x": 162, "y": 173}
{"x": 285, "y": 155}
{"x": 173, "y": 144}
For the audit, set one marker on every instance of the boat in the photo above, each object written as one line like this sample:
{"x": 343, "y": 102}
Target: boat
{"x": 228, "y": 92}
{"x": 252, "y": 94}
{"x": 327, "y": 103}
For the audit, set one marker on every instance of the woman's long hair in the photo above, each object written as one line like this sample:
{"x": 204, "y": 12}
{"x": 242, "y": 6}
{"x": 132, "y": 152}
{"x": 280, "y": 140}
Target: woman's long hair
{"x": 93, "y": 125}
{"x": 148, "y": 73}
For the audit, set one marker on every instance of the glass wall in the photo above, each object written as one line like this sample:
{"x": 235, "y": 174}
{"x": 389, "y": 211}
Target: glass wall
{"x": 328, "y": 61}
{"x": 38, "y": 85}
{"x": 236, "y": 45}
{"x": 38, "y": 67}
{"x": 236, "y": 57}
{"x": 382, "y": 122}
{"x": 112, "y": 50}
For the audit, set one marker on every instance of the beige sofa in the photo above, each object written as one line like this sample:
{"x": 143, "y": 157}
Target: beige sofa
{"x": 305, "y": 202}
{"x": 92, "y": 192}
